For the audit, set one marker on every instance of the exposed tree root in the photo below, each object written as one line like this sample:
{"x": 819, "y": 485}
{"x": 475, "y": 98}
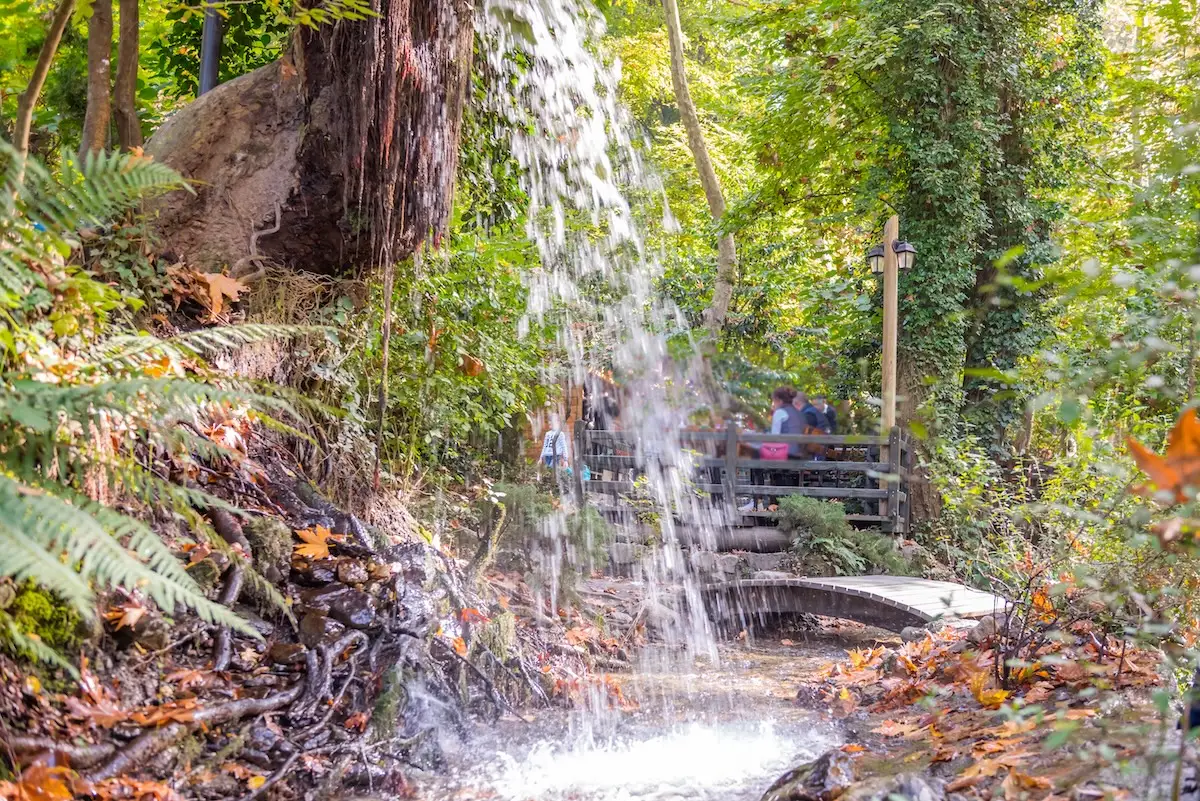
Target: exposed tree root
{"x": 223, "y": 643}
{"x": 77, "y": 756}
{"x": 154, "y": 741}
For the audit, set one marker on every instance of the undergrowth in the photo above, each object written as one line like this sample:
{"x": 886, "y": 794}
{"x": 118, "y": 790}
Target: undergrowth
{"x": 827, "y": 544}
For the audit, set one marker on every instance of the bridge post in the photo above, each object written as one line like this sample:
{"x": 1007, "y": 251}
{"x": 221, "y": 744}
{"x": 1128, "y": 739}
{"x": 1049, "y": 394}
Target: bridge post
{"x": 731, "y": 457}
{"x": 577, "y": 462}
{"x": 893, "y": 484}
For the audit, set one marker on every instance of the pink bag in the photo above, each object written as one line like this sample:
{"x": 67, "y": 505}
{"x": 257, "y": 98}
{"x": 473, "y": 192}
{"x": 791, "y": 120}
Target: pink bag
{"x": 773, "y": 451}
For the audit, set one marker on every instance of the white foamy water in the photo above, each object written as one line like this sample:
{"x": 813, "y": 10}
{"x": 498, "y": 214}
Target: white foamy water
{"x": 694, "y": 761}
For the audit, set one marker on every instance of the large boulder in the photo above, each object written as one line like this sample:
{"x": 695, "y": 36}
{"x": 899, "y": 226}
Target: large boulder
{"x": 824, "y": 779}
{"x": 345, "y": 149}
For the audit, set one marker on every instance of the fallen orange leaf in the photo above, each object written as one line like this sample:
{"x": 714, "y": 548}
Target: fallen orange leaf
{"x": 315, "y": 543}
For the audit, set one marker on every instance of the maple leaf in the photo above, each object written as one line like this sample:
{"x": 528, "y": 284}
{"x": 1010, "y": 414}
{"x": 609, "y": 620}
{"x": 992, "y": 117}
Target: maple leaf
{"x": 220, "y": 286}
{"x": 183, "y": 711}
{"x": 1179, "y": 467}
{"x": 315, "y": 543}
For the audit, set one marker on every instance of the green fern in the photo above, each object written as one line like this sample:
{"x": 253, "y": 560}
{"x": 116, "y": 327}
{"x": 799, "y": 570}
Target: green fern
{"x": 97, "y": 428}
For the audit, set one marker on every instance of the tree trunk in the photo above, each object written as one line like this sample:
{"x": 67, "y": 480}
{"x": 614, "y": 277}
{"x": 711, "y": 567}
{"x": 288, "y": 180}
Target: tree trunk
{"x": 99, "y": 84}
{"x": 354, "y": 134}
{"x": 129, "y": 128}
{"x": 29, "y": 98}
{"x": 718, "y": 310}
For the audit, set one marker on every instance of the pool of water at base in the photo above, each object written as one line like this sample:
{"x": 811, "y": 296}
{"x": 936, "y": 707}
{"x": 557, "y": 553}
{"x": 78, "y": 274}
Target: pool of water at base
{"x": 703, "y": 733}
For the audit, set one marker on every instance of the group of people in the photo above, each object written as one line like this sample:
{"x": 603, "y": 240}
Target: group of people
{"x": 793, "y": 412}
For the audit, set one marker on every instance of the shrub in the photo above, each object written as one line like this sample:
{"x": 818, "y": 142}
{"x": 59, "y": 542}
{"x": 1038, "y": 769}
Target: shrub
{"x": 827, "y": 544}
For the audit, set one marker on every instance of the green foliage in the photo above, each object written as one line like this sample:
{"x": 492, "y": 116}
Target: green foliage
{"x": 84, "y": 422}
{"x": 828, "y": 545}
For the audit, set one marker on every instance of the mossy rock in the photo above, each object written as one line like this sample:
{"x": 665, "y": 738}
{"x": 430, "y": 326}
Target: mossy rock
{"x": 271, "y": 545}
{"x": 500, "y": 634}
{"x": 38, "y": 613}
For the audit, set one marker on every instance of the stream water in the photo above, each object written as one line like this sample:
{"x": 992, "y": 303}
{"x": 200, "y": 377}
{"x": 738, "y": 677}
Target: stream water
{"x": 715, "y": 732}
{"x": 710, "y": 722}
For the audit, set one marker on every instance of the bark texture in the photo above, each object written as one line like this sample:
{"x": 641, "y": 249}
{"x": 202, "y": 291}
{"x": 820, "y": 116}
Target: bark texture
{"x": 99, "y": 84}
{"x": 718, "y": 310}
{"x": 129, "y": 128}
{"x": 354, "y": 135}
{"x": 29, "y": 98}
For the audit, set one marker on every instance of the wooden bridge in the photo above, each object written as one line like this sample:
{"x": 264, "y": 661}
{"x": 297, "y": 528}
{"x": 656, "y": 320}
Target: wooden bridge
{"x": 868, "y": 473}
{"x": 889, "y": 602}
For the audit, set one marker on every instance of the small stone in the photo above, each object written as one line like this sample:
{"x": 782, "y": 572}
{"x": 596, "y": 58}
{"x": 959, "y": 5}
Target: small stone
{"x": 220, "y": 786}
{"x": 255, "y": 757}
{"x": 287, "y": 653}
{"x": 351, "y": 571}
{"x": 912, "y": 633}
{"x": 317, "y": 574}
{"x": 321, "y": 598}
{"x": 354, "y": 608}
{"x": 987, "y": 629}
{"x": 618, "y": 618}
{"x": 261, "y": 738}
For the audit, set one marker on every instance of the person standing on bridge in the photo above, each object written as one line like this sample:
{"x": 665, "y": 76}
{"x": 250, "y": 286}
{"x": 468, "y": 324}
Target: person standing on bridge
{"x": 830, "y": 413}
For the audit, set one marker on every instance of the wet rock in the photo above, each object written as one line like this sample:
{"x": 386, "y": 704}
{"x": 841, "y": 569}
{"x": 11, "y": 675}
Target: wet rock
{"x": 909, "y": 786}
{"x": 728, "y": 564}
{"x": 912, "y": 633}
{"x": 312, "y": 628}
{"x": 317, "y": 574}
{"x": 352, "y": 571}
{"x": 287, "y": 653}
{"x": 765, "y": 561}
{"x": 354, "y": 609}
{"x": 322, "y": 598}
{"x": 824, "y": 779}
{"x": 704, "y": 562}
{"x": 658, "y": 617}
{"x": 771, "y": 574}
{"x": 624, "y": 553}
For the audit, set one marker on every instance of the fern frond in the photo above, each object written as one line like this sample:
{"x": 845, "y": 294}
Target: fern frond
{"x": 136, "y": 350}
{"x": 42, "y": 652}
{"x": 21, "y": 558}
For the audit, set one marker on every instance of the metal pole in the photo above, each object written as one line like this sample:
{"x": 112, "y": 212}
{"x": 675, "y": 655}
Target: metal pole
{"x": 210, "y": 48}
{"x": 891, "y": 233}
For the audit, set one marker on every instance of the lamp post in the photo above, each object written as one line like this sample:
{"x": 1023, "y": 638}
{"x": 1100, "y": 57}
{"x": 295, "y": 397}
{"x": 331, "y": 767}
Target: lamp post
{"x": 888, "y": 259}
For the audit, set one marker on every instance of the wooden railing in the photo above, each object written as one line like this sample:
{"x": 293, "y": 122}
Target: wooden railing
{"x": 868, "y": 473}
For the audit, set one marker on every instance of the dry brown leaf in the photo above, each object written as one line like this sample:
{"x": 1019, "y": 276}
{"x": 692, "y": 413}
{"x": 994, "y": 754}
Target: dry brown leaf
{"x": 220, "y": 286}
{"x": 1016, "y": 783}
